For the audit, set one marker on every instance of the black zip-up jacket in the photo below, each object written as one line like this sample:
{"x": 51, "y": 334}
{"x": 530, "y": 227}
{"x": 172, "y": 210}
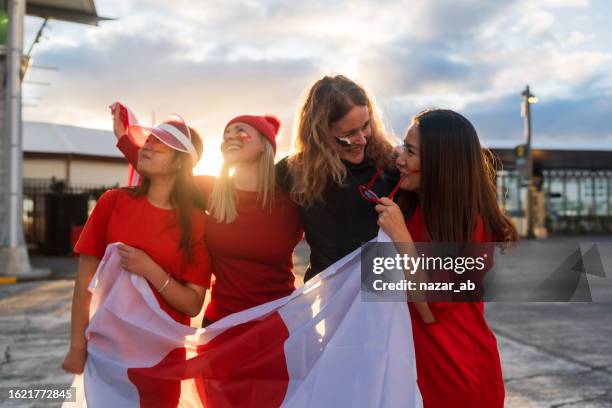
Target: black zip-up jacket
{"x": 344, "y": 220}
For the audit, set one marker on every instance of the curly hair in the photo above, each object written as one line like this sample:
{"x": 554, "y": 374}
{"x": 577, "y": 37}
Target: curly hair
{"x": 316, "y": 163}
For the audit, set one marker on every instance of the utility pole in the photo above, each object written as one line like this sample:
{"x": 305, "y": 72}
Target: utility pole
{"x": 528, "y": 99}
{"x": 14, "y": 260}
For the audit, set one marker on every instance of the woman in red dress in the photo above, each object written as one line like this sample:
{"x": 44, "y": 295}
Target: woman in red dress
{"x": 162, "y": 230}
{"x": 449, "y": 195}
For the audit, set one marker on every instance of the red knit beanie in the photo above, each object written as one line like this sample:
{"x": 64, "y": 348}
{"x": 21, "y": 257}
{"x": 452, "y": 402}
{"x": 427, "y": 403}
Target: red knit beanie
{"x": 267, "y": 125}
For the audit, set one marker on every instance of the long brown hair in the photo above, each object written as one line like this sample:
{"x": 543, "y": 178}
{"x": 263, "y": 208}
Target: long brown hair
{"x": 184, "y": 195}
{"x": 457, "y": 181}
{"x": 315, "y": 162}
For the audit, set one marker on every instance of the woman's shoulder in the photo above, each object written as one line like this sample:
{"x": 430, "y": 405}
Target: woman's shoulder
{"x": 283, "y": 198}
{"x": 198, "y": 222}
{"x": 110, "y": 196}
{"x": 282, "y": 166}
{"x": 283, "y": 175}
{"x": 111, "y": 199}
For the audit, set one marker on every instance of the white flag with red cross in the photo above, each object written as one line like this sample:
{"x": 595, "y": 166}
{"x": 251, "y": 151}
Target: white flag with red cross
{"x": 321, "y": 346}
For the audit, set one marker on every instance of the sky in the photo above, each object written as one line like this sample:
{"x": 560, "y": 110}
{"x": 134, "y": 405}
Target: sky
{"x": 210, "y": 61}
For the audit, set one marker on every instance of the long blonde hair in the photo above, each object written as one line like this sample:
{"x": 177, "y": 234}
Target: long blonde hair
{"x": 222, "y": 202}
{"x": 315, "y": 162}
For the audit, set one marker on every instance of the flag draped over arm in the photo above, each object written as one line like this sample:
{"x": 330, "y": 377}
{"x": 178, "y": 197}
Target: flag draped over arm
{"x": 321, "y": 346}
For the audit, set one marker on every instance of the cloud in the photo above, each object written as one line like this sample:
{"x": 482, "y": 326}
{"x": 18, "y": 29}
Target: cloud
{"x": 151, "y": 72}
{"x": 579, "y": 121}
{"x": 578, "y": 38}
{"x": 215, "y": 59}
{"x": 566, "y": 3}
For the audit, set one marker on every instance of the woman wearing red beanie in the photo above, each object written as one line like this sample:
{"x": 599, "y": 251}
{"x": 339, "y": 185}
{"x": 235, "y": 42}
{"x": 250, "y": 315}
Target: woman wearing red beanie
{"x": 253, "y": 227}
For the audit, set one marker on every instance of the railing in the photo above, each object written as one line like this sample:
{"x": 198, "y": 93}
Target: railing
{"x": 53, "y": 209}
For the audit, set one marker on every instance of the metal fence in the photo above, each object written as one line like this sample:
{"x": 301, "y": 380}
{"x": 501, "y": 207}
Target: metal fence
{"x": 53, "y": 212}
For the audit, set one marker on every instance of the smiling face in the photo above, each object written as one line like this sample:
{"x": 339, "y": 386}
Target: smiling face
{"x": 409, "y": 162}
{"x": 156, "y": 159}
{"x": 241, "y": 143}
{"x": 355, "y": 127}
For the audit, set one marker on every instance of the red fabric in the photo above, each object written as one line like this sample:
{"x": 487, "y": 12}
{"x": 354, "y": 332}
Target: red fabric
{"x": 267, "y": 125}
{"x": 119, "y": 217}
{"x": 252, "y": 257}
{"x": 244, "y": 366}
{"x": 457, "y": 359}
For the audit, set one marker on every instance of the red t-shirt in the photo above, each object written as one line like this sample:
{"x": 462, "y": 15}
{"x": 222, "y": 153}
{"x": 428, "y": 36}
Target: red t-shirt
{"x": 457, "y": 359}
{"x": 134, "y": 221}
{"x": 253, "y": 256}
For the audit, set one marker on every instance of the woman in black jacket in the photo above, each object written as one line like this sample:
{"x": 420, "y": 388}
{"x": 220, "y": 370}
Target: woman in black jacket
{"x": 341, "y": 145}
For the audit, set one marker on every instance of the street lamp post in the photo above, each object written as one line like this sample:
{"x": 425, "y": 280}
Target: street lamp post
{"x": 528, "y": 99}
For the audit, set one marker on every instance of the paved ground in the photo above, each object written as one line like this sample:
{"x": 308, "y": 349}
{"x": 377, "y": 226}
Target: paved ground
{"x": 553, "y": 354}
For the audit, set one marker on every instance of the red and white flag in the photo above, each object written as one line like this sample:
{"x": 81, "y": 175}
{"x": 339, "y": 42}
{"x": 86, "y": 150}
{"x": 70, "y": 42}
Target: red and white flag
{"x": 321, "y": 346}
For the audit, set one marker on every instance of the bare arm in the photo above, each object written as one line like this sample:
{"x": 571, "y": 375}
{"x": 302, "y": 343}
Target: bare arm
{"x": 74, "y": 362}
{"x": 391, "y": 220}
{"x": 187, "y": 298}
{"x": 404, "y": 245}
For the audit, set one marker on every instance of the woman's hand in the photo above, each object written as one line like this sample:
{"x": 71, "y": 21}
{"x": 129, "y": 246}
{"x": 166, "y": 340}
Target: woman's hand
{"x": 185, "y": 297}
{"x": 118, "y": 126}
{"x": 391, "y": 220}
{"x": 425, "y": 312}
{"x": 74, "y": 362}
{"x": 136, "y": 261}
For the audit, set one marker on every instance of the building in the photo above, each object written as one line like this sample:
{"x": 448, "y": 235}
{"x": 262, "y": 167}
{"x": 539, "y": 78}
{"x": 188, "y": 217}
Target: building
{"x": 574, "y": 189}
{"x": 65, "y": 169}
{"x": 73, "y": 155}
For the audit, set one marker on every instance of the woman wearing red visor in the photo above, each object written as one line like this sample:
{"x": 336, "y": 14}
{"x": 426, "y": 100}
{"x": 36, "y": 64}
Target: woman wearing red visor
{"x": 451, "y": 199}
{"x": 161, "y": 228}
{"x": 253, "y": 226}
